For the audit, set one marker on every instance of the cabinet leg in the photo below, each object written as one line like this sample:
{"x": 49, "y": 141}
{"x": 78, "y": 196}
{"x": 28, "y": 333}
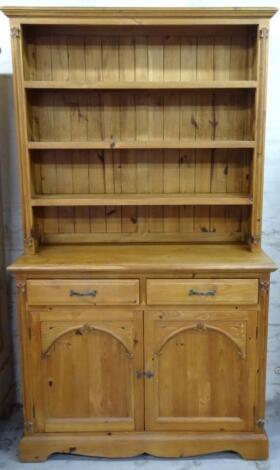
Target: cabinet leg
{"x": 257, "y": 451}
{"x": 30, "y": 452}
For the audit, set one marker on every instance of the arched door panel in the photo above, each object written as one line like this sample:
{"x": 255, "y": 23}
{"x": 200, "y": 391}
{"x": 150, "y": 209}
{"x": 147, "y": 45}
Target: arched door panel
{"x": 202, "y": 370}
{"x": 86, "y": 366}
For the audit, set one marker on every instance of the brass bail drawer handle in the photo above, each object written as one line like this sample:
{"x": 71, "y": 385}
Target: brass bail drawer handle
{"x": 90, "y": 293}
{"x": 208, "y": 293}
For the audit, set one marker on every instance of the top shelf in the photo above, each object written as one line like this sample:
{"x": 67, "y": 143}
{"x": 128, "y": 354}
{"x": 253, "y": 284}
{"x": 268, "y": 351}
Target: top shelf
{"x": 141, "y": 85}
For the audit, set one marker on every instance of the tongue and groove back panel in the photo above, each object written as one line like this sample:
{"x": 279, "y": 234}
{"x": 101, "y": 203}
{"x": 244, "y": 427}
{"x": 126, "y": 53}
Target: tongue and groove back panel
{"x": 140, "y": 53}
{"x": 143, "y": 172}
{"x": 161, "y": 116}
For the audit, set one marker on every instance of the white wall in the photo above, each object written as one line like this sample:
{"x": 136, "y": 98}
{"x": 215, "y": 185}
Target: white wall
{"x": 271, "y": 227}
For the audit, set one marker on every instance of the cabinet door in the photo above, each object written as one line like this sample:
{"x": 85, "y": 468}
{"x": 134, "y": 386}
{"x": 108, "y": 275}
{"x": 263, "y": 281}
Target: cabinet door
{"x": 200, "y": 370}
{"x": 84, "y": 364}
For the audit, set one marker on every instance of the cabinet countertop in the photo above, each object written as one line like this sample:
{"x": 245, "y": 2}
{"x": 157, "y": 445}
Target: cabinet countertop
{"x": 144, "y": 258}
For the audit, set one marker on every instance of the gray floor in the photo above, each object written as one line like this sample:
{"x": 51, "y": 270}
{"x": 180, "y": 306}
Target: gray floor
{"x": 10, "y": 432}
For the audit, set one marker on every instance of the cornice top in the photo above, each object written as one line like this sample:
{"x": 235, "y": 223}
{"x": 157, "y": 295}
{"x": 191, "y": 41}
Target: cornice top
{"x": 138, "y": 13}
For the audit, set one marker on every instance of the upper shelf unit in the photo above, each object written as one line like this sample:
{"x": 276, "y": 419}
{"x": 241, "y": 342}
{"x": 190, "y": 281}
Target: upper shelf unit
{"x": 141, "y": 132}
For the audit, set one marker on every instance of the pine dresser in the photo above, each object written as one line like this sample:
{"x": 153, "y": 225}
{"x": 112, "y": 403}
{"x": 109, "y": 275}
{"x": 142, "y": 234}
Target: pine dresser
{"x": 143, "y": 290}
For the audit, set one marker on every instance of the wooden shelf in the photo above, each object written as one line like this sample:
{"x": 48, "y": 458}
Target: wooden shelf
{"x": 160, "y": 144}
{"x": 141, "y": 199}
{"x": 134, "y": 85}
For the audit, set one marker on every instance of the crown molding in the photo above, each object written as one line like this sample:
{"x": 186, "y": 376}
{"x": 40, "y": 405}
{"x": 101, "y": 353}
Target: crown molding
{"x": 138, "y": 13}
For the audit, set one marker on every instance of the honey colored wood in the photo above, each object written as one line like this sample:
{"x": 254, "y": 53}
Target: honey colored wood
{"x": 130, "y": 237}
{"x": 258, "y": 160}
{"x": 215, "y": 366}
{"x": 139, "y": 224}
{"x": 262, "y": 358}
{"x": 103, "y": 113}
{"x": 142, "y": 200}
{"x": 166, "y": 14}
{"x": 25, "y": 356}
{"x": 143, "y": 290}
{"x": 143, "y": 258}
{"x": 153, "y": 119}
{"x": 211, "y": 117}
{"x": 160, "y": 444}
{"x": 30, "y": 243}
{"x": 187, "y": 144}
{"x": 40, "y": 84}
{"x": 217, "y": 291}
{"x": 74, "y": 357}
{"x": 98, "y": 292}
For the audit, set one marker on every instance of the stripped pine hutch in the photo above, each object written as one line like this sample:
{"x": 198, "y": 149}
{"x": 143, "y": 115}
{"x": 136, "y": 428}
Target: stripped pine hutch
{"x": 143, "y": 290}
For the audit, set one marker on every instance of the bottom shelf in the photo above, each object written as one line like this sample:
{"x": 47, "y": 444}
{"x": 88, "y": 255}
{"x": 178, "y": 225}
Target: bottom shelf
{"x": 141, "y": 224}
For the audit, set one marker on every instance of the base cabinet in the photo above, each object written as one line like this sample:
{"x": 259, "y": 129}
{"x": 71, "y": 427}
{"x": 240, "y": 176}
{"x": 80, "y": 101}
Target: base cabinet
{"x": 120, "y": 380}
{"x": 199, "y": 371}
{"x": 94, "y": 370}
{"x": 90, "y": 374}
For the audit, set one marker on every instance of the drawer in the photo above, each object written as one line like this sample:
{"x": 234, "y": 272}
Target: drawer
{"x": 83, "y": 292}
{"x": 201, "y": 291}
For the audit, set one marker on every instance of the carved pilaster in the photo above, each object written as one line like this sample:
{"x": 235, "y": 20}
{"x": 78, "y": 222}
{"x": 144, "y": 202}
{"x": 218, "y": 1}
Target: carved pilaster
{"x": 264, "y": 32}
{"x": 254, "y": 241}
{"x": 28, "y": 242}
{"x": 21, "y": 287}
{"x": 15, "y": 32}
{"x": 28, "y": 425}
{"x": 264, "y": 287}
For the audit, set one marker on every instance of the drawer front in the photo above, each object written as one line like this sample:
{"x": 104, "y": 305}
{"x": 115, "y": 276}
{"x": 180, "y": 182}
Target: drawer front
{"x": 201, "y": 291}
{"x": 83, "y": 292}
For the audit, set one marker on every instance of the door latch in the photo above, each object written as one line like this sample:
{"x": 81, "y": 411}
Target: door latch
{"x": 141, "y": 373}
{"x": 149, "y": 374}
